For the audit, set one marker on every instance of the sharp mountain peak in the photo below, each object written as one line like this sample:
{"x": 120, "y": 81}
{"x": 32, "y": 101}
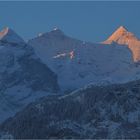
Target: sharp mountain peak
{"x": 121, "y": 35}
{"x": 9, "y": 35}
{"x": 122, "y": 29}
{"x": 57, "y": 30}
{"x": 4, "y": 32}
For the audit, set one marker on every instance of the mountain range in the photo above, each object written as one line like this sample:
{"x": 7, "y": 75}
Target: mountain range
{"x": 55, "y": 86}
{"x": 80, "y": 63}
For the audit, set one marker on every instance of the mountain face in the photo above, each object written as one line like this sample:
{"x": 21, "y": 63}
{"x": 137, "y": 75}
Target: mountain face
{"x": 78, "y": 63}
{"x": 124, "y": 37}
{"x": 23, "y": 77}
{"x": 104, "y": 112}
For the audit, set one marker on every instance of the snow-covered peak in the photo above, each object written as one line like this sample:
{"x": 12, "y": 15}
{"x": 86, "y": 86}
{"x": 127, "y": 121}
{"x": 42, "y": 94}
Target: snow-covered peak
{"x": 124, "y": 37}
{"x": 57, "y": 31}
{"x": 122, "y": 29}
{"x": 118, "y": 34}
{"x": 55, "y": 28}
{"x": 4, "y": 32}
{"x": 10, "y": 36}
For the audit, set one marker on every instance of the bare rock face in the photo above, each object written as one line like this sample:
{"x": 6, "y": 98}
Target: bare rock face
{"x": 124, "y": 37}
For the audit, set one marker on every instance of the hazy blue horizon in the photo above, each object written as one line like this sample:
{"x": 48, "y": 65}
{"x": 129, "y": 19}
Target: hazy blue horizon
{"x": 90, "y": 21}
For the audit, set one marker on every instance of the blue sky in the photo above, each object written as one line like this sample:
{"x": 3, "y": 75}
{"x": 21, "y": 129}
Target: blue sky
{"x": 91, "y": 21}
